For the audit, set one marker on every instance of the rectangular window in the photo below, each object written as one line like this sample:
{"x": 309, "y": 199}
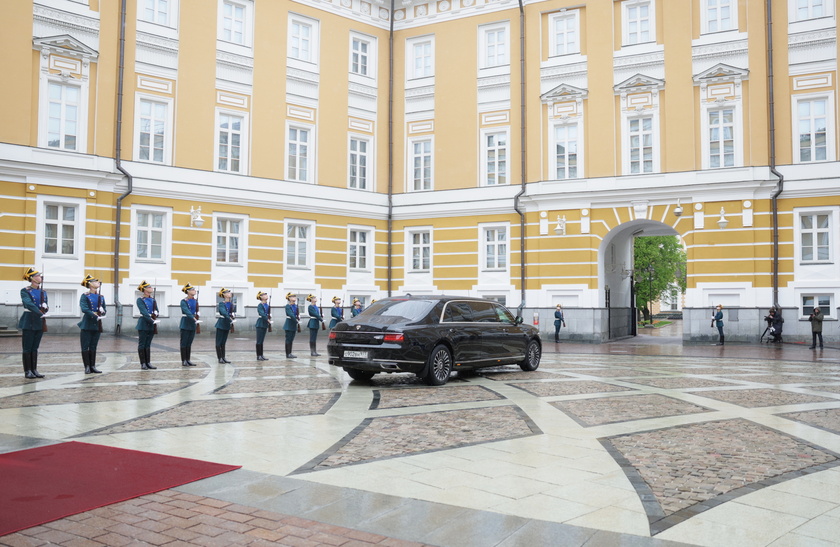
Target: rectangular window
{"x": 358, "y": 250}
{"x": 421, "y": 251}
{"x": 495, "y": 150}
{"x": 810, "y": 9}
{"x": 638, "y": 22}
{"x": 821, "y": 301}
{"x": 421, "y": 160}
{"x": 150, "y": 230}
{"x": 495, "y": 47}
{"x": 60, "y": 229}
{"x": 298, "y": 164}
{"x": 156, "y": 11}
{"x": 815, "y": 232}
{"x": 230, "y": 143}
{"x": 565, "y": 151}
{"x": 227, "y": 241}
{"x": 422, "y": 59}
{"x": 565, "y": 33}
{"x": 233, "y": 22}
{"x": 152, "y": 131}
{"x": 359, "y": 57}
{"x": 300, "y": 41}
{"x": 719, "y": 15}
{"x": 721, "y": 138}
{"x": 813, "y": 130}
{"x": 495, "y": 248}
{"x": 297, "y": 245}
{"x": 63, "y": 118}
{"x": 359, "y": 163}
{"x": 641, "y": 145}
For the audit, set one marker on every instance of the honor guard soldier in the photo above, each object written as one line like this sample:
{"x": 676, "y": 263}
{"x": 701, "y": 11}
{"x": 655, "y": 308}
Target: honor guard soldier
{"x": 223, "y": 324}
{"x": 93, "y": 310}
{"x": 32, "y": 323}
{"x": 263, "y": 322}
{"x": 292, "y": 323}
{"x": 146, "y": 324}
{"x": 337, "y": 312}
{"x": 189, "y": 323}
{"x": 357, "y": 307}
{"x": 316, "y": 320}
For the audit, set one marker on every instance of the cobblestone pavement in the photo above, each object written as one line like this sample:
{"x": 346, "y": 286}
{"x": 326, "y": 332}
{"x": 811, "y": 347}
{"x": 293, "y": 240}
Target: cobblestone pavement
{"x": 630, "y": 443}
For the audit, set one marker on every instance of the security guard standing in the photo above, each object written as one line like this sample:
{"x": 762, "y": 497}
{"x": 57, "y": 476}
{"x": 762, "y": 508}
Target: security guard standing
{"x": 337, "y": 312}
{"x": 189, "y": 321}
{"x": 357, "y": 307}
{"x": 292, "y": 323}
{"x": 93, "y": 310}
{"x": 316, "y": 320}
{"x": 263, "y": 322}
{"x": 32, "y": 323}
{"x": 147, "y": 306}
{"x": 223, "y": 324}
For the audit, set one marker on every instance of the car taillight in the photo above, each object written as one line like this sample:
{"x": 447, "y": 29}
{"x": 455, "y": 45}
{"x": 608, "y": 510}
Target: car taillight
{"x": 394, "y": 337}
{"x": 332, "y": 335}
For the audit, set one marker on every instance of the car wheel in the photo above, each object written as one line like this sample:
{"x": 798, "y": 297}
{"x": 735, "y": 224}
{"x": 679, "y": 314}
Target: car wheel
{"x": 440, "y": 366}
{"x": 360, "y": 375}
{"x": 532, "y": 356}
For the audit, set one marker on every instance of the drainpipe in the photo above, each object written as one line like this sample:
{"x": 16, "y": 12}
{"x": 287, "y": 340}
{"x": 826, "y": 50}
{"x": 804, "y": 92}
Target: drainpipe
{"x": 524, "y": 170}
{"x": 772, "y": 131}
{"x": 118, "y": 157}
{"x": 390, "y": 143}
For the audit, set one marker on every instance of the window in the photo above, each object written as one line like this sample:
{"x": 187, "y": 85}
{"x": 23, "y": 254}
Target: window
{"x": 231, "y": 136}
{"x": 495, "y": 248}
{"x": 359, "y": 55}
{"x": 155, "y": 11}
{"x": 810, "y": 9}
{"x": 564, "y": 33}
{"x": 153, "y": 131}
{"x": 421, "y": 58}
{"x": 721, "y": 138}
{"x": 566, "y": 151}
{"x": 63, "y": 303}
{"x": 300, "y": 40}
{"x": 495, "y": 158}
{"x": 227, "y": 240}
{"x": 719, "y": 15}
{"x": 639, "y": 22}
{"x": 358, "y": 249}
{"x": 233, "y": 22}
{"x": 299, "y": 154}
{"x": 297, "y": 245}
{"x": 495, "y": 46}
{"x": 63, "y": 112}
{"x": 420, "y": 250}
{"x": 359, "y": 160}
{"x": 421, "y": 164}
{"x": 812, "y": 129}
{"x": 60, "y": 229}
{"x": 641, "y": 145}
{"x": 150, "y": 233}
{"x": 815, "y": 237}
{"x": 821, "y": 301}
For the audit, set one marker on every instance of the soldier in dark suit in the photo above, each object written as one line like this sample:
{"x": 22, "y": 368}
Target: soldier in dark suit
{"x": 189, "y": 320}
{"x": 223, "y": 324}
{"x": 316, "y": 321}
{"x": 263, "y": 322}
{"x": 93, "y": 310}
{"x": 31, "y": 324}
{"x": 292, "y": 323}
{"x": 337, "y": 312}
{"x": 147, "y": 306}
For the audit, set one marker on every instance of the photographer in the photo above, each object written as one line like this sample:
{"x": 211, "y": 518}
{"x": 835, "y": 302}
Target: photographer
{"x": 816, "y": 320}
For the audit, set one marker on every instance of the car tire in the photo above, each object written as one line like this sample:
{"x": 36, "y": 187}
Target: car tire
{"x": 360, "y": 375}
{"x": 440, "y": 366}
{"x": 532, "y": 356}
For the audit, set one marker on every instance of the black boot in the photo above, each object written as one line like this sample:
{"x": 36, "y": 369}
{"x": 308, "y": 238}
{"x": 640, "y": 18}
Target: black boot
{"x": 86, "y": 360}
{"x": 93, "y": 368}
{"x": 27, "y": 366}
{"x": 141, "y": 353}
{"x": 289, "y": 352}
{"x": 189, "y": 354}
{"x": 312, "y": 351}
{"x": 224, "y": 356}
{"x": 260, "y": 356}
{"x": 219, "y": 354}
{"x": 148, "y": 352}
{"x": 34, "y": 365}
{"x": 184, "y": 362}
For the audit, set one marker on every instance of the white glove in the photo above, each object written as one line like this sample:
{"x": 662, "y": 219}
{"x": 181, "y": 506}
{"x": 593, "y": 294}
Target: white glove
{"x": 99, "y": 318}
{"x": 156, "y": 321}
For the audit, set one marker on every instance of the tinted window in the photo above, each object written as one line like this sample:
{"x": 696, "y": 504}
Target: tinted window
{"x": 484, "y": 312}
{"x": 399, "y": 311}
{"x": 457, "y": 312}
{"x": 504, "y": 314}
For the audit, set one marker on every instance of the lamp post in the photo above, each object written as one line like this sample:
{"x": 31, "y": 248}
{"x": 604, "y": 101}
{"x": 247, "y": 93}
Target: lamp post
{"x": 650, "y": 271}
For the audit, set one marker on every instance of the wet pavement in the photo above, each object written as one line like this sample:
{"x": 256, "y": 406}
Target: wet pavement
{"x": 643, "y": 441}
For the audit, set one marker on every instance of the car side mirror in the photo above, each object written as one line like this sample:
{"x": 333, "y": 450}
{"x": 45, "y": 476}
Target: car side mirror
{"x": 518, "y": 320}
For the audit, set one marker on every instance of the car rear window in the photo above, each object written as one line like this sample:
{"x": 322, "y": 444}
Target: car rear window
{"x": 484, "y": 312}
{"x": 457, "y": 312}
{"x": 400, "y": 311}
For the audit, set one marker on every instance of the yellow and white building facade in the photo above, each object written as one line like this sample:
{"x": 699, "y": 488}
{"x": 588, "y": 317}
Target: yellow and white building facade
{"x": 362, "y": 149}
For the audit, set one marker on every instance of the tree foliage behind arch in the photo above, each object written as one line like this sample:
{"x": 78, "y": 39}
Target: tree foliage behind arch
{"x": 659, "y": 266}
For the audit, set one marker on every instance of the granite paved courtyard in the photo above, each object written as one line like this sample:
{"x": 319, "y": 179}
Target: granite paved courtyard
{"x": 640, "y": 442}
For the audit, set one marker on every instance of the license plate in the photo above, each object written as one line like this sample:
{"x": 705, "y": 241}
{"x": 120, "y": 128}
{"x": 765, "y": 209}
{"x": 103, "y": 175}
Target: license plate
{"x": 356, "y": 354}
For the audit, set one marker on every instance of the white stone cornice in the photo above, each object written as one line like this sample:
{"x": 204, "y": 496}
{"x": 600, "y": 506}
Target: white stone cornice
{"x": 492, "y": 81}
{"x": 234, "y": 59}
{"x": 154, "y": 41}
{"x": 303, "y": 75}
{"x": 362, "y": 89}
{"x": 65, "y": 18}
{"x": 424, "y": 91}
{"x": 724, "y": 49}
{"x": 816, "y": 36}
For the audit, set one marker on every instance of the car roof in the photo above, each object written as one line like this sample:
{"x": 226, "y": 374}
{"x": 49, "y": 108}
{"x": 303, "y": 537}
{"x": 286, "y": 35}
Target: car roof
{"x": 437, "y": 298}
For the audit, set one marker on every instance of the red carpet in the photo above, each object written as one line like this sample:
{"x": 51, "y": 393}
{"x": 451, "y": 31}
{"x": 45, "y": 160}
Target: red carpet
{"x": 51, "y": 482}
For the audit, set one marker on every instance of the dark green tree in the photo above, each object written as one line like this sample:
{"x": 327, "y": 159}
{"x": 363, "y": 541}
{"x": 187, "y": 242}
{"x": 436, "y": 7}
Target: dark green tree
{"x": 659, "y": 266}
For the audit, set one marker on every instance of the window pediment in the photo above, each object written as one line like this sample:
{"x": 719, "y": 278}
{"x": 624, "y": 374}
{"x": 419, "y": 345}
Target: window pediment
{"x": 721, "y": 73}
{"x": 64, "y": 45}
{"x": 562, "y": 93}
{"x": 638, "y": 83}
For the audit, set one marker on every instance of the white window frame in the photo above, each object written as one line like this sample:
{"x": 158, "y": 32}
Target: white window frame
{"x": 833, "y": 236}
{"x": 357, "y": 250}
{"x": 411, "y": 160}
{"x": 412, "y": 246}
{"x": 626, "y": 8}
{"x": 137, "y": 229}
{"x": 167, "y": 133}
{"x": 171, "y": 19}
{"x": 309, "y": 241}
{"x": 830, "y": 129}
{"x": 82, "y": 84}
{"x": 709, "y": 6}
{"x": 308, "y": 62}
{"x": 242, "y": 259}
{"x": 309, "y": 177}
{"x": 40, "y": 228}
{"x": 64, "y": 105}
{"x": 625, "y": 149}
{"x": 76, "y": 223}
{"x": 484, "y": 244}
{"x": 63, "y": 302}
{"x": 817, "y": 300}
{"x": 794, "y": 14}
{"x": 737, "y": 132}
{"x": 368, "y": 156}
{"x": 486, "y": 153}
{"x": 247, "y": 7}
{"x": 411, "y": 45}
{"x": 499, "y": 61}
{"x": 244, "y": 144}
{"x": 371, "y": 57}
{"x": 564, "y": 16}
{"x": 578, "y": 126}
